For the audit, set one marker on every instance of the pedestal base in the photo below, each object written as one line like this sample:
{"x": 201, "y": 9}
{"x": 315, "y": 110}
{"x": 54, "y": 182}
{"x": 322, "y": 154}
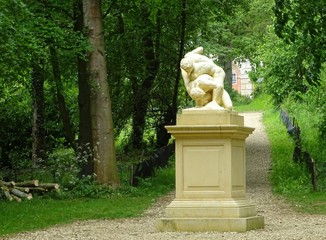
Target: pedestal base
{"x": 223, "y": 215}
{"x": 210, "y": 224}
{"x": 221, "y": 208}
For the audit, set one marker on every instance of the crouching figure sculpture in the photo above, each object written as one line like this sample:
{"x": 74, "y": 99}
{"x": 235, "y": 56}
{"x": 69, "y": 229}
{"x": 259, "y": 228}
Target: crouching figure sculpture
{"x": 204, "y": 81}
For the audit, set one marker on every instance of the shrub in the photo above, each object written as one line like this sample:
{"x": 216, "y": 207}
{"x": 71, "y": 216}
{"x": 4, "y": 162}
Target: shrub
{"x": 310, "y": 114}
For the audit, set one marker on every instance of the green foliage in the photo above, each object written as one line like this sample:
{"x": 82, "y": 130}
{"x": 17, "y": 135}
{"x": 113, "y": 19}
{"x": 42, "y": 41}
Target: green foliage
{"x": 64, "y": 167}
{"x": 24, "y": 37}
{"x": 125, "y": 39}
{"x": 280, "y": 69}
{"x": 290, "y": 61}
{"x": 84, "y": 187}
{"x": 288, "y": 178}
{"x": 310, "y": 113}
{"x": 250, "y": 24}
{"x": 15, "y": 127}
{"x": 302, "y": 23}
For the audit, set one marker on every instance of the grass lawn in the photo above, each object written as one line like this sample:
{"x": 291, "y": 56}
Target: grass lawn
{"x": 312, "y": 203}
{"x": 41, "y": 213}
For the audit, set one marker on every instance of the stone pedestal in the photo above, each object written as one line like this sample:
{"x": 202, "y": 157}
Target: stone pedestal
{"x": 210, "y": 175}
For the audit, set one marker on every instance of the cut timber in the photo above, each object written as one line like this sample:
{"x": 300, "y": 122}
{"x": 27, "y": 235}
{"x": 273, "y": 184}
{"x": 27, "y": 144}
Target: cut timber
{"x": 37, "y": 189}
{"x": 8, "y": 195}
{"x": 23, "y": 189}
{"x": 4, "y": 188}
{"x": 7, "y": 184}
{"x": 49, "y": 185}
{"x": 16, "y": 198}
{"x": 32, "y": 183}
{"x": 20, "y": 194}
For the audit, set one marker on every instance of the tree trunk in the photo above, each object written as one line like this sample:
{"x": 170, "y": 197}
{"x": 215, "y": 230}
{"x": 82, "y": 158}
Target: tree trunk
{"x": 142, "y": 91}
{"x": 227, "y": 67}
{"x": 64, "y": 113}
{"x": 38, "y": 131}
{"x": 85, "y": 144}
{"x": 228, "y": 72}
{"x": 104, "y": 156}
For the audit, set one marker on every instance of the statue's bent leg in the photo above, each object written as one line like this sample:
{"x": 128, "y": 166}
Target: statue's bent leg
{"x": 227, "y": 103}
{"x": 206, "y": 82}
{"x": 217, "y": 94}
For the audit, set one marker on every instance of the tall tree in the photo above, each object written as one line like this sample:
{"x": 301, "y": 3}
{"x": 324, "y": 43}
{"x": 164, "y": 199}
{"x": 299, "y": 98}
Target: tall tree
{"x": 85, "y": 142}
{"x": 142, "y": 90}
{"x": 38, "y": 131}
{"x": 64, "y": 113}
{"x": 104, "y": 155}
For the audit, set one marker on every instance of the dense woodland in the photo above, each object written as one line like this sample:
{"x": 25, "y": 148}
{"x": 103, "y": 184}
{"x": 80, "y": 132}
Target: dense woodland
{"x": 87, "y": 86}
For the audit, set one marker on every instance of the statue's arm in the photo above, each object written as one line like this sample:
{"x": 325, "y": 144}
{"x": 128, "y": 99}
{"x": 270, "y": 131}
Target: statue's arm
{"x": 186, "y": 80}
{"x": 197, "y": 51}
{"x": 219, "y": 75}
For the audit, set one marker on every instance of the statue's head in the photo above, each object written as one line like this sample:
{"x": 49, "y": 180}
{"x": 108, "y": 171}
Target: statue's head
{"x": 187, "y": 64}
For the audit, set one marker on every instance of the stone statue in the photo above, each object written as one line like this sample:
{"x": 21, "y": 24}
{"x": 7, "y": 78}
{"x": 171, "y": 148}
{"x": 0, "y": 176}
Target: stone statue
{"x": 204, "y": 81}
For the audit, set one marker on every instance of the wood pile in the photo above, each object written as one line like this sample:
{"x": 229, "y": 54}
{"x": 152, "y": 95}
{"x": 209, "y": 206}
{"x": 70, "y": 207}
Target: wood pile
{"x": 24, "y": 190}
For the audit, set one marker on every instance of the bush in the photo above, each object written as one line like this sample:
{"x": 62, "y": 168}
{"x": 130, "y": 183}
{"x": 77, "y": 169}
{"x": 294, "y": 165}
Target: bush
{"x": 64, "y": 167}
{"x": 310, "y": 115}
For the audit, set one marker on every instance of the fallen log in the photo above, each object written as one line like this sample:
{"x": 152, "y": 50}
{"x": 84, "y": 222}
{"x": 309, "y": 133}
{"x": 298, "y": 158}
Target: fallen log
{"x": 7, "y": 184}
{"x": 23, "y": 189}
{"x": 20, "y": 194}
{"x": 49, "y": 186}
{"x": 37, "y": 189}
{"x": 32, "y": 183}
{"x": 8, "y": 195}
{"x": 16, "y": 198}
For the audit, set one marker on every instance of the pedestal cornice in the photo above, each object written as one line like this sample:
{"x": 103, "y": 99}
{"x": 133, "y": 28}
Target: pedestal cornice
{"x": 210, "y": 131}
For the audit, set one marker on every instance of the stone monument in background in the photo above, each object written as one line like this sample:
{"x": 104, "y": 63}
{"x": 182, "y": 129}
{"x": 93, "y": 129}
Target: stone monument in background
{"x": 210, "y": 157}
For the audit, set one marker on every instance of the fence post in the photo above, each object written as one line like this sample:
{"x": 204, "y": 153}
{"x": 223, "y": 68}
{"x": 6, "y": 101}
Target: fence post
{"x": 313, "y": 175}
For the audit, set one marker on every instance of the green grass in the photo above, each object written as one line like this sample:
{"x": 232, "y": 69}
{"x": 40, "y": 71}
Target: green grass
{"x": 286, "y": 175}
{"x": 40, "y": 213}
{"x": 312, "y": 202}
{"x": 259, "y": 103}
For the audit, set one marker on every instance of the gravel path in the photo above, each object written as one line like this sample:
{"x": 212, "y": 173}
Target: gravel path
{"x": 281, "y": 222}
